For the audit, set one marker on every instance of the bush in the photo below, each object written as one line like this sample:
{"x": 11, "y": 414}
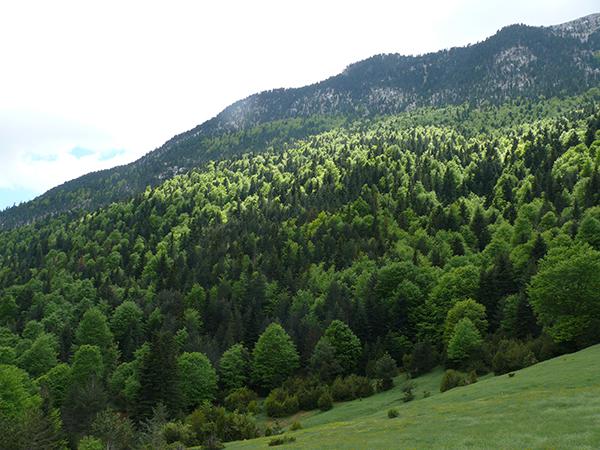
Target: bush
{"x": 90, "y": 443}
{"x": 240, "y": 400}
{"x": 393, "y": 413}
{"x": 341, "y": 391}
{"x": 295, "y": 426}
{"x": 350, "y": 388}
{"x": 451, "y": 379}
{"x": 408, "y": 392}
{"x": 361, "y": 387}
{"x": 177, "y": 432}
{"x": 512, "y": 355}
{"x": 211, "y": 421}
{"x": 325, "y": 401}
{"x": 281, "y": 440}
{"x": 280, "y": 403}
{"x": 426, "y": 394}
{"x": 307, "y": 389}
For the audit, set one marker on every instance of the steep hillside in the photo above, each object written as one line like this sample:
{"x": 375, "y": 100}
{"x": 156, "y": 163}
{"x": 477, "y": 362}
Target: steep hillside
{"x": 517, "y": 62}
{"x": 553, "y": 404}
{"x": 462, "y": 236}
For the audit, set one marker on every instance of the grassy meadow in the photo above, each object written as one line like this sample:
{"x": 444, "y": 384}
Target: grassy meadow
{"x": 552, "y": 405}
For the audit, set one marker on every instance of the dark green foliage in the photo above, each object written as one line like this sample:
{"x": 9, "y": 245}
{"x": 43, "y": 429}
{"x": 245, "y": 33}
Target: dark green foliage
{"x": 158, "y": 377}
{"x": 281, "y": 440}
{"x": 325, "y": 401}
{"x": 451, "y": 379}
{"x": 393, "y": 413}
{"x": 423, "y": 358}
{"x": 295, "y": 426}
{"x": 114, "y": 430}
{"x": 386, "y": 370}
{"x": 280, "y": 403}
{"x": 210, "y": 423}
{"x": 512, "y": 355}
{"x": 351, "y": 387}
{"x": 241, "y": 400}
{"x": 346, "y": 345}
{"x": 408, "y": 395}
{"x": 324, "y": 361}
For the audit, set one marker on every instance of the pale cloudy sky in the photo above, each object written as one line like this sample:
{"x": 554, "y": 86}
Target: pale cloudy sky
{"x": 86, "y": 85}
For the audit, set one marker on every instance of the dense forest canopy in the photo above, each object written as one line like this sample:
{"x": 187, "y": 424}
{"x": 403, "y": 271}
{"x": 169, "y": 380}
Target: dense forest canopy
{"x": 461, "y": 236}
{"x": 518, "y": 62}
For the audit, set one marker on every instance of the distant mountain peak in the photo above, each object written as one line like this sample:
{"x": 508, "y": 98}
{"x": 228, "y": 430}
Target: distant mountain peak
{"x": 580, "y": 28}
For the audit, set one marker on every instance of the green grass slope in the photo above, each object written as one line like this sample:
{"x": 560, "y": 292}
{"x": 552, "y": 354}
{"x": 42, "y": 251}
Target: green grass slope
{"x": 552, "y": 405}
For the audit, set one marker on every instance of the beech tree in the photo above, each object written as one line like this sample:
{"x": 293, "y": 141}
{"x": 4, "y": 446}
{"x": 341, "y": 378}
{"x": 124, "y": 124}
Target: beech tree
{"x": 234, "y": 367}
{"x": 565, "y": 294}
{"x": 197, "y": 379}
{"x": 274, "y": 357}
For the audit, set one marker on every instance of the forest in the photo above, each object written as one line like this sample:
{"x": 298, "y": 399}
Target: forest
{"x": 309, "y": 270}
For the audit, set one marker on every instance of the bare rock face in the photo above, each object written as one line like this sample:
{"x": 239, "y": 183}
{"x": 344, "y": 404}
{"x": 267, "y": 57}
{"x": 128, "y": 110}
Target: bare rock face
{"x": 581, "y": 28}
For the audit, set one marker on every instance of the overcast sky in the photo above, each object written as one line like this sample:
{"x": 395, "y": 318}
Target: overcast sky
{"x": 88, "y": 85}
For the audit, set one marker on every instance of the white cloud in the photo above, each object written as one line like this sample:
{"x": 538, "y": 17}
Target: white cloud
{"x": 131, "y": 74}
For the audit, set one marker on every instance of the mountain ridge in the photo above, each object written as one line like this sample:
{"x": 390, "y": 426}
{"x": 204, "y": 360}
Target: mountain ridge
{"x": 518, "y": 61}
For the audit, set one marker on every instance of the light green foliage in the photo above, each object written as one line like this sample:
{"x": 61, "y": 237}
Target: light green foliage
{"x": 234, "y": 367}
{"x": 565, "y": 294}
{"x": 87, "y": 364}
{"x": 197, "y": 379}
{"x": 274, "y": 357}
{"x": 465, "y": 308}
{"x": 93, "y": 330}
{"x": 90, "y": 443}
{"x": 465, "y": 341}
{"x": 41, "y": 356}
{"x": 127, "y": 326}
{"x": 57, "y": 381}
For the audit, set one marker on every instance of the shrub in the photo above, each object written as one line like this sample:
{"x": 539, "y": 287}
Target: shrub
{"x": 177, "y": 432}
{"x": 280, "y": 403}
{"x": 408, "y": 392}
{"x": 426, "y": 394}
{"x": 240, "y": 400}
{"x": 325, "y": 401}
{"x": 341, "y": 391}
{"x": 472, "y": 377}
{"x": 512, "y": 355}
{"x": 358, "y": 387}
{"x": 226, "y": 426}
{"x": 90, "y": 443}
{"x": 393, "y": 413}
{"x": 295, "y": 426}
{"x": 350, "y": 388}
{"x": 451, "y": 379}
{"x": 281, "y": 440}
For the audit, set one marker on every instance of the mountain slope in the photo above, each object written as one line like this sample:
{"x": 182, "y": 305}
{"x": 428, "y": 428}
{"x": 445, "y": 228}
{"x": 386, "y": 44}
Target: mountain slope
{"x": 553, "y": 404}
{"x": 517, "y": 62}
